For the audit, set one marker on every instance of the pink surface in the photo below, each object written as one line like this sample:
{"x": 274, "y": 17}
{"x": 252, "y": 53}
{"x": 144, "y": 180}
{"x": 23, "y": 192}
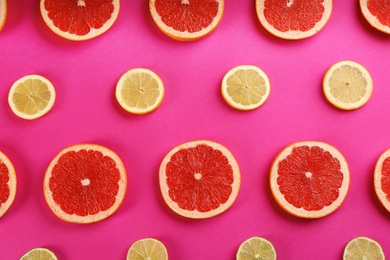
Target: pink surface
{"x": 85, "y": 75}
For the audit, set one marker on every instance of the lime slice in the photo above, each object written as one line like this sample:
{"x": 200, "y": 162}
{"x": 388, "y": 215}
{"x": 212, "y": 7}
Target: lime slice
{"x": 147, "y": 249}
{"x": 39, "y": 254}
{"x": 256, "y": 248}
{"x": 363, "y": 248}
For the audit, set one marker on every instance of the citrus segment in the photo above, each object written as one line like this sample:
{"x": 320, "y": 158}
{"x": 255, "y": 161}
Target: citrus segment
{"x": 256, "y": 248}
{"x": 147, "y": 249}
{"x": 363, "y": 248}
{"x": 7, "y": 184}
{"x": 3, "y": 13}
{"x": 245, "y": 87}
{"x": 31, "y": 97}
{"x": 85, "y": 183}
{"x": 309, "y": 179}
{"x": 139, "y": 91}
{"x": 39, "y": 254}
{"x": 347, "y": 85}
{"x": 293, "y": 19}
{"x": 382, "y": 179}
{"x": 377, "y": 13}
{"x": 79, "y": 19}
{"x": 199, "y": 179}
{"x": 187, "y": 20}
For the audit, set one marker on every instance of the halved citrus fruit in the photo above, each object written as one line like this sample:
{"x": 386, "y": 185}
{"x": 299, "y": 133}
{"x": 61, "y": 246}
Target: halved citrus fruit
{"x": 293, "y": 19}
{"x": 7, "y": 184}
{"x": 39, "y": 254}
{"x": 79, "y": 19}
{"x": 245, "y": 87}
{"x": 187, "y": 20}
{"x": 3, "y": 13}
{"x": 147, "y": 249}
{"x": 199, "y": 179}
{"x": 31, "y": 97}
{"x": 139, "y": 91}
{"x": 377, "y": 13}
{"x": 382, "y": 179}
{"x": 85, "y": 183}
{"x": 347, "y": 85}
{"x": 363, "y": 248}
{"x": 309, "y": 179}
{"x": 256, "y": 248}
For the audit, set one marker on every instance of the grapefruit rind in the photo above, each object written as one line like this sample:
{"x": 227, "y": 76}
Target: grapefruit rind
{"x": 186, "y": 36}
{"x": 196, "y": 214}
{"x": 377, "y": 180}
{"x": 3, "y": 13}
{"x": 378, "y": 251}
{"x": 371, "y": 19}
{"x": 33, "y": 254}
{"x": 270, "y": 251}
{"x": 239, "y": 106}
{"x": 11, "y": 184}
{"x": 143, "y": 242}
{"x": 300, "y": 212}
{"x": 336, "y": 102}
{"x": 89, "y": 218}
{"x": 93, "y": 32}
{"x": 135, "y": 110}
{"x": 294, "y": 34}
{"x": 39, "y": 113}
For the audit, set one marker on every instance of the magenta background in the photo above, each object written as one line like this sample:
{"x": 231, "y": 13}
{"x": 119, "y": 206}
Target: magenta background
{"x": 86, "y": 111}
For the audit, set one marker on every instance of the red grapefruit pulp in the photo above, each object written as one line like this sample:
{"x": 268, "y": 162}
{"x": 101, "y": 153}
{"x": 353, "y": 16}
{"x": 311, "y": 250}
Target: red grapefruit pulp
{"x": 7, "y": 184}
{"x": 382, "y": 179}
{"x": 85, "y": 183}
{"x": 199, "y": 179}
{"x": 377, "y": 13}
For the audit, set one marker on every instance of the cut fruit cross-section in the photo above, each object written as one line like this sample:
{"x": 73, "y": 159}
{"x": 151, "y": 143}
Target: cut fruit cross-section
{"x": 39, "y": 254}
{"x": 363, "y": 248}
{"x": 382, "y": 179}
{"x": 7, "y": 184}
{"x": 147, "y": 249}
{"x": 187, "y": 20}
{"x": 199, "y": 179}
{"x": 85, "y": 183}
{"x": 256, "y": 248}
{"x": 377, "y": 13}
{"x": 245, "y": 87}
{"x": 293, "y": 19}
{"x": 309, "y": 179}
{"x": 3, "y": 13}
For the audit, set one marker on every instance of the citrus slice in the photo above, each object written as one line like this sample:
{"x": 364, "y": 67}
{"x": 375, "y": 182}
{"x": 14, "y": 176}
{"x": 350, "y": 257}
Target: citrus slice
{"x": 85, "y": 183}
{"x": 79, "y": 19}
{"x": 245, "y": 87}
{"x": 39, "y": 254}
{"x": 3, "y": 13}
{"x": 309, "y": 179}
{"x": 347, "y": 85}
{"x": 7, "y": 184}
{"x": 187, "y": 20}
{"x": 147, "y": 249}
{"x": 31, "y": 97}
{"x": 363, "y": 248}
{"x": 199, "y": 179}
{"x": 139, "y": 91}
{"x": 293, "y": 19}
{"x": 256, "y": 248}
{"x": 377, "y": 13}
{"x": 382, "y": 179}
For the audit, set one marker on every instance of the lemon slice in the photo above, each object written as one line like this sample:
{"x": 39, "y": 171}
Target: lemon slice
{"x": 363, "y": 248}
{"x": 245, "y": 87}
{"x": 39, "y": 254}
{"x": 140, "y": 91}
{"x": 256, "y": 248}
{"x": 31, "y": 97}
{"x": 147, "y": 249}
{"x": 347, "y": 85}
{"x": 3, "y": 13}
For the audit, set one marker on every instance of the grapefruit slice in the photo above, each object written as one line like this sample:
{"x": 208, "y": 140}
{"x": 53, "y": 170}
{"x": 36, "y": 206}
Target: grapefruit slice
{"x": 3, "y": 13}
{"x": 293, "y": 19}
{"x": 7, "y": 184}
{"x": 139, "y": 91}
{"x": 256, "y": 248}
{"x": 382, "y": 179}
{"x": 31, "y": 97}
{"x": 347, "y": 85}
{"x": 85, "y": 183}
{"x": 309, "y": 179}
{"x": 245, "y": 87}
{"x": 147, "y": 249}
{"x": 363, "y": 248}
{"x": 186, "y": 20}
{"x": 199, "y": 179}
{"x": 377, "y": 13}
{"x": 79, "y": 19}
{"x": 39, "y": 254}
